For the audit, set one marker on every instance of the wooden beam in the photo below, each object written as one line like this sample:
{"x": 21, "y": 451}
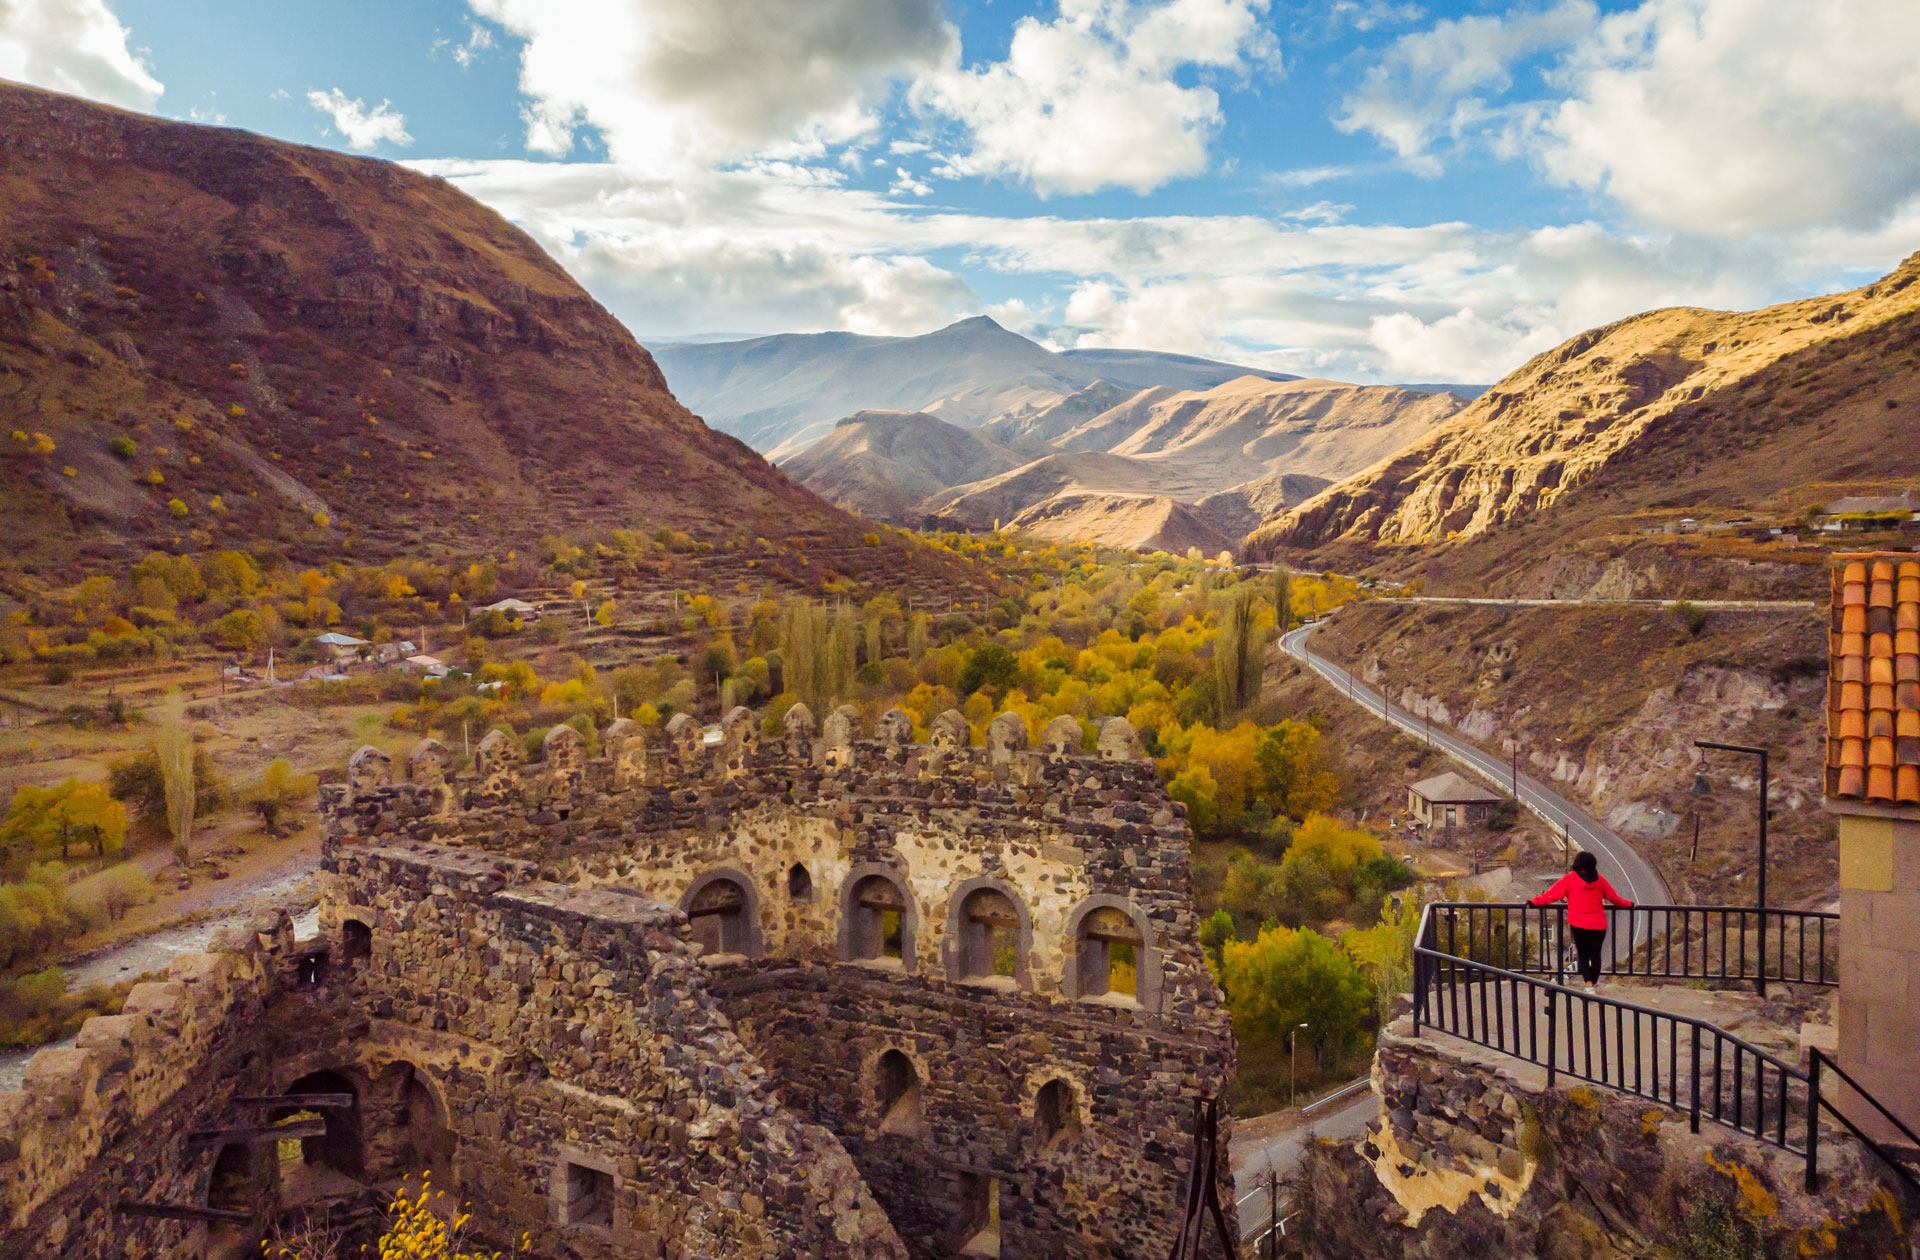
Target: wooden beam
{"x": 184, "y": 1212}
{"x": 256, "y": 1134}
{"x": 297, "y": 1100}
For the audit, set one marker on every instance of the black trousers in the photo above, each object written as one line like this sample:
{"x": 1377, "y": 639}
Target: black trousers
{"x": 1587, "y": 943}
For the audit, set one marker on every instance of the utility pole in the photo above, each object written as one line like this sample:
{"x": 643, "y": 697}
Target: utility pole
{"x": 1293, "y": 1062}
{"x": 1516, "y": 774}
{"x": 1760, "y": 982}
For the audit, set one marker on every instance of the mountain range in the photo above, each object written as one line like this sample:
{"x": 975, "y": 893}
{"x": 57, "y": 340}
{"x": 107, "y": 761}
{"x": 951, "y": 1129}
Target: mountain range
{"x": 1545, "y": 482}
{"x": 783, "y": 393}
{"x": 1141, "y": 468}
{"x": 209, "y": 338}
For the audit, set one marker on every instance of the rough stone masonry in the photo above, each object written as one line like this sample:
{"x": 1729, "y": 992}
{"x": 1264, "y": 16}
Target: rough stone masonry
{"x": 707, "y": 994}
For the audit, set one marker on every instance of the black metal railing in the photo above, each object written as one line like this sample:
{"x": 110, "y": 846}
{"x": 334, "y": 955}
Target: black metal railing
{"x": 1686, "y": 1064}
{"x": 1649, "y": 942}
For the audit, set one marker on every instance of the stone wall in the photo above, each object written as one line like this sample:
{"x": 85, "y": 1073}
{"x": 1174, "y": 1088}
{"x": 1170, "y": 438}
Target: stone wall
{"x": 796, "y": 823}
{"x": 1471, "y": 1161}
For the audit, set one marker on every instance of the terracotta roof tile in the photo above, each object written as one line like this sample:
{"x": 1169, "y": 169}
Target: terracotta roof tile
{"x": 1873, "y": 711}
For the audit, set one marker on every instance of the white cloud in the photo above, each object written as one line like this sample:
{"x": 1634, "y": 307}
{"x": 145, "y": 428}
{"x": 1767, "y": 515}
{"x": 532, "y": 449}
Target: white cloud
{"x": 773, "y": 247}
{"x": 906, "y": 182}
{"x": 676, "y": 83}
{"x": 1744, "y": 115}
{"x": 1094, "y": 99}
{"x": 479, "y": 40}
{"x": 1320, "y": 212}
{"x": 1698, "y": 116}
{"x": 74, "y": 46}
{"x": 1439, "y": 81}
{"x": 362, "y": 128}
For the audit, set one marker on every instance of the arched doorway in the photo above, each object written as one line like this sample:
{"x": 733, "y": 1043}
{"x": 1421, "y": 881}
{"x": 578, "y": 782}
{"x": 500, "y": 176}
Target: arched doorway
{"x": 332, "y": 1163}
{"x": 408, "y": 1132}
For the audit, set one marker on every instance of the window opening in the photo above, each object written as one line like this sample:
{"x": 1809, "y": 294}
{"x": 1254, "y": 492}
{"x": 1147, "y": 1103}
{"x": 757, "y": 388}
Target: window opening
{"x": 799, "y": 884}
{"x": 358, "y": 940}
{"x": 878, "y": 919}
{"x": 990, "y": 935}
{"x": 718, "y": 914}
{"x": 1109, "y": 959}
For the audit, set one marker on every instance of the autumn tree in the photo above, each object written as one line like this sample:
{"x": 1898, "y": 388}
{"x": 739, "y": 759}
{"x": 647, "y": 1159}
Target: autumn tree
{"x": 53, "y": 820}
{"x": 280, "y": 793}
{"x": 1286, "y": 977}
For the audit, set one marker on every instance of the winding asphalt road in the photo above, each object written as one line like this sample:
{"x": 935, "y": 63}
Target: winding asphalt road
{"x": 1282, "y": 1154}
{"x": 1628, "y": 871}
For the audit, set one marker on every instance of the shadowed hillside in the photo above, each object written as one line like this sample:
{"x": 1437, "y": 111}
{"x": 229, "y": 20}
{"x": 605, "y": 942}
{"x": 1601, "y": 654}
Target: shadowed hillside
{"x": 211, "y": 338}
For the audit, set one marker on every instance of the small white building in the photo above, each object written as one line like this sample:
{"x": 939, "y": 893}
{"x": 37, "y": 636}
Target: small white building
{"x": 344, "y": 647}
{"x": 511, "y": 607}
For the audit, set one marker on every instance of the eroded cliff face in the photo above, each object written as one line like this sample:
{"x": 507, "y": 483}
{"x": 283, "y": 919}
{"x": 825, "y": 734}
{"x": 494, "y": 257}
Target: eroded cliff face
{"x": 306, "y": 335}
{"x": 1606, "y": 704}
{"x": 1603, "y": 398}
{"x": 1468, "y": 1162}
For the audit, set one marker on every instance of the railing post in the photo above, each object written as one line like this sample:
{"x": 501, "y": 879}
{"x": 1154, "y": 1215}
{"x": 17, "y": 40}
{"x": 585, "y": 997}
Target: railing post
{"x": 1693, "y": 1110}
{"x": 1419, "y": 987}
{"x": 1559, "y": 945}
{"x": 1813, "y": 1119}
{"x": 1553, "y": 1035}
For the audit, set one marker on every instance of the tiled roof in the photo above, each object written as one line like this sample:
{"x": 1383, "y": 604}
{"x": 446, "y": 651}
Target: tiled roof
{"x": 1873, "y": 680}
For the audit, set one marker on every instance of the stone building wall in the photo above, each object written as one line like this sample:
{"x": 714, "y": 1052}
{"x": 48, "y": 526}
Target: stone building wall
{"x": 1057, "y": 833}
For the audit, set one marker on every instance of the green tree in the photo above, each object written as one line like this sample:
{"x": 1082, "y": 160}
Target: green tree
{"x": 1287, "y": 977}
{"x": 1283, "y": 597}
{"x": 242, "y": 630}
{"x": 173, "y": 750}
{"x": 991, "y": 668}
{"x": 1215, "y": 931}
{"x": 1239, "y": 655}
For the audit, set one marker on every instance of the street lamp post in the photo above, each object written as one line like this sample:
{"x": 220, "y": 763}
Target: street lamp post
{"x": 1760, "y": 982}
{"x": 1293, "y": 1064}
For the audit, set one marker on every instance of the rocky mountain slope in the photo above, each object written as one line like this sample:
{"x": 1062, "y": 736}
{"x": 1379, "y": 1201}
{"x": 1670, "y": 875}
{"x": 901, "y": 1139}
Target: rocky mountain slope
{"x": 1321, "y": 428}
{"x": 1138, "y": 522}
{"x": 882, "y": 464}
{"x": 1233, "y": 454}
{"x": 1144, "y": 369}
{"x": 1691, "y": 412}
{"x": 212, "y": 338}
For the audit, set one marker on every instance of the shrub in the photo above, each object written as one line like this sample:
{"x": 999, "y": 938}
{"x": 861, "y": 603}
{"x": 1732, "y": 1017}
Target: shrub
{"x": 177, "y": 507}
{"x": 1690, "y": 615}
{"x": 123, "y": 446}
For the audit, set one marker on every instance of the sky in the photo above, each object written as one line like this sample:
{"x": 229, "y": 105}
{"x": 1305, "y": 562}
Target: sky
{"x": 1365, "y": 190}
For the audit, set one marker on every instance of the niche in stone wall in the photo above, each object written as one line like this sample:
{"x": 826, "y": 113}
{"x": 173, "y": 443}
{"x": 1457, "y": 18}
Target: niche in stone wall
{"x": 584, "y": 1190}
{"x": 897, "y": 1094}
{"x": 799, "y": 883}
{"x": 980, "y": 1215}
{"x": 1056, "y": 1114}
{"x": 356, "y": 940}
{"x": 415, "y": 1136}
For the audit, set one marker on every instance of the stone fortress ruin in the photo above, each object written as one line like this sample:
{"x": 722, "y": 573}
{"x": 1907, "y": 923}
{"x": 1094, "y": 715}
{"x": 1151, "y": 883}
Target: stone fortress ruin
{"x": 705, "y": 994}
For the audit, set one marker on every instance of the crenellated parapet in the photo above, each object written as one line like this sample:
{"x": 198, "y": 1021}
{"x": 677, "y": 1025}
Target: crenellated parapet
{"x": 122, "y": 1069}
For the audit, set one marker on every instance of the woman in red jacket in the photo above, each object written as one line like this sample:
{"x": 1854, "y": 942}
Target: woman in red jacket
{"x": 1587, "y": 894}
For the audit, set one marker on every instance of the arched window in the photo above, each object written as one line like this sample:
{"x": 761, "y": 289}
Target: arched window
{"x": 1109, "y": 954}
{"x": 1055, "y": 1113}
{"x": 799, "y": 883}
{"x": 315, "y": 1167}
{"x": 989, "y": 931}
{"x": 357, "y": 940}
{"x": 1114, "y": 957}
{"x": 896, "y": 1090}
{"x": 877, "y": 918}
{"x": 724, "y": 913}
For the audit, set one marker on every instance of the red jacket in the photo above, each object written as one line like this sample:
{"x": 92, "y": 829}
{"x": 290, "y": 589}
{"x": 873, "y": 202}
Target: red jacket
{"x": 1584, "y": 900}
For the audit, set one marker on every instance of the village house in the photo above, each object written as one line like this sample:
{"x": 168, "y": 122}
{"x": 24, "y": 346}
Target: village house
{"x": 1447, "y": 800}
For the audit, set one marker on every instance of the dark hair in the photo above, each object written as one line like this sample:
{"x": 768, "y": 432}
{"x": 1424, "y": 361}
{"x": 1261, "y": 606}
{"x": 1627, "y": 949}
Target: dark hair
{"x": 1585, "y": 863}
